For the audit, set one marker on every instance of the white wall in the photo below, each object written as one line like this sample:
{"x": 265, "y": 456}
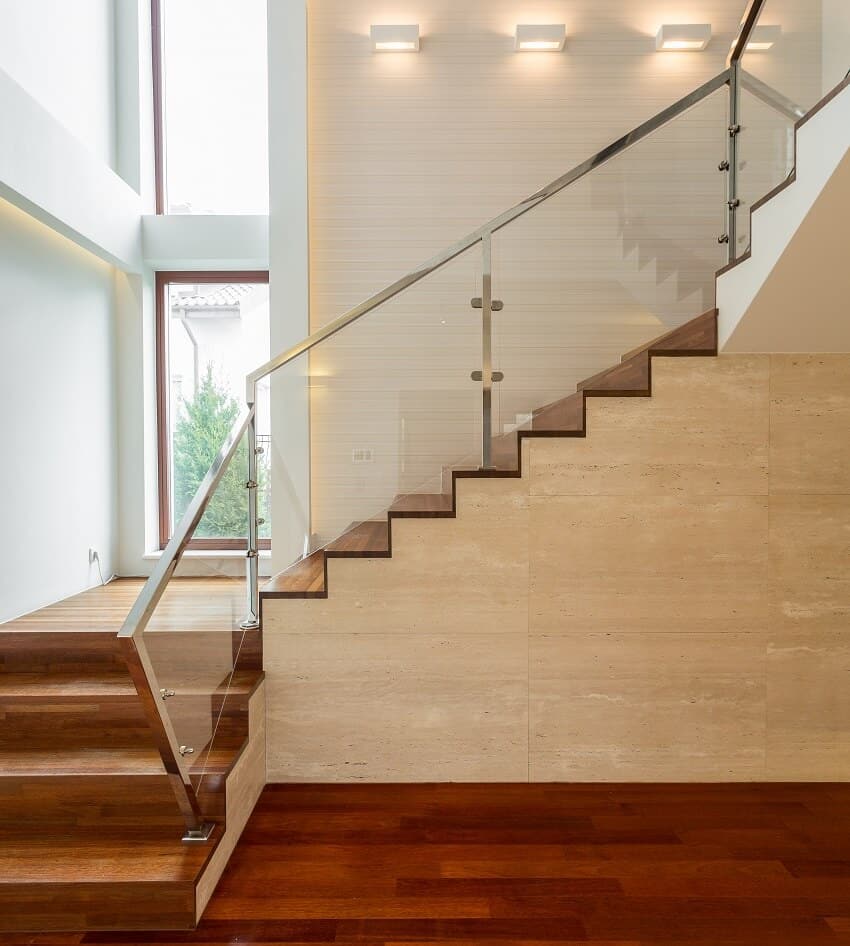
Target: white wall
{"x": 57, "y": 414}
{"x": 63, "y": 54}
{"x": 836, "y": 42}
{"x": 289, "y": 274}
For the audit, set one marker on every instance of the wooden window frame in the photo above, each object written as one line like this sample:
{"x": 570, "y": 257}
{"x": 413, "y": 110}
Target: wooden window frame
{"x": 163, "y": 279}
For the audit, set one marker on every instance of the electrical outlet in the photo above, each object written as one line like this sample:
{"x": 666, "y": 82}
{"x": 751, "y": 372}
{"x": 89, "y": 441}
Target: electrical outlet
{"x": 93, "y": 556}
{"x": 363, "y": 455}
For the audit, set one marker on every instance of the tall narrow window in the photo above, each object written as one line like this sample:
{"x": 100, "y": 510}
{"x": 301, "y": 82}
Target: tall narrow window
{"x": 212, "y": 329}
{"x": 211, "y": 103}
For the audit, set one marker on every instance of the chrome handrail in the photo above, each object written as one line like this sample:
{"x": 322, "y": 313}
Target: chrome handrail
{"x": 131, "y": 635}
{"x": 745, "y": 30}
{"x": 492, "y": 226}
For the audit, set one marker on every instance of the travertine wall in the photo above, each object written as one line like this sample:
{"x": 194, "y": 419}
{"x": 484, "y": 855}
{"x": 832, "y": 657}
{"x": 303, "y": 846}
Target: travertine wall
{"x": 667, "y": 599}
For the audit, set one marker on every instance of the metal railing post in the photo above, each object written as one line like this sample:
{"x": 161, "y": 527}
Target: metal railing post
{"x": 142, "y": 672}
{"x": 487, "y": 352}
{"x": 732, "y": 200}
{"x": 252, "y": 558}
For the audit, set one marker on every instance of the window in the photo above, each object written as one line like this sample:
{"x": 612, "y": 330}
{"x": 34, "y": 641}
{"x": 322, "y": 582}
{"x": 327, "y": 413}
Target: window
{"x": 211, "y": 106}
{"x": 212, "y": 329}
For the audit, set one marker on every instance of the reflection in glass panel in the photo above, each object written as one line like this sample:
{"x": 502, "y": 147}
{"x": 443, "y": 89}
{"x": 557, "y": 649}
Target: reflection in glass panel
{"x": 215, "y": 87}
{"x": 217, "y": 333}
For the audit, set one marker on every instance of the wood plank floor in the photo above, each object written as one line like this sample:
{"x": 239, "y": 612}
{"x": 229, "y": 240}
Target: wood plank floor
{"x": 190, "y": 604}
{"x": 619, "y": 865}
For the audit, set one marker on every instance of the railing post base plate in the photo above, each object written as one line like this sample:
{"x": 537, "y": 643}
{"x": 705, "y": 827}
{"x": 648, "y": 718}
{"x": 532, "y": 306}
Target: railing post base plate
{"x": 199, "y": 835}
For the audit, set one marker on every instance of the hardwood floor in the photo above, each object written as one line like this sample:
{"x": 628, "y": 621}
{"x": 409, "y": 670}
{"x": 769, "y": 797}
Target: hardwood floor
{"x": 620, "y": 865}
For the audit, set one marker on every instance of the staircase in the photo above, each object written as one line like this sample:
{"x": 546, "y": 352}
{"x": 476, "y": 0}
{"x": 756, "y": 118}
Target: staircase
{"x": 89, "y": 830}
{"x": 564, "y": 418}
{"x": 90, "y": 835}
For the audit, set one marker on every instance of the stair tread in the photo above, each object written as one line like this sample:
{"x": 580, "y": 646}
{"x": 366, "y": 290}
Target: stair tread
{"x": 102, "y": 860}
{"x": 698, "y": 336}
{"x": 80, "y": 761}
{"x": 422, "y": 504}
{"x": 121, "y": 760}
{"x": 565, "y": 414}
{"x": 97, "y": 684}
{"x": 362, "y": 538}
{"x": 307, "y": 577}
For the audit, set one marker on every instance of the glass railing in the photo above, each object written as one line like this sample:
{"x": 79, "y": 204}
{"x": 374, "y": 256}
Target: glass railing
{"x": 622, "y": 256}
{"x": 435, "y": 373}
{"x": 186, "y": 645}
{"x": 782, "y": 73}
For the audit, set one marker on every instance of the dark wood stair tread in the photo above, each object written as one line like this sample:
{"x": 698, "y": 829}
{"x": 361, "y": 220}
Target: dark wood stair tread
{"x": 422, "y": 505}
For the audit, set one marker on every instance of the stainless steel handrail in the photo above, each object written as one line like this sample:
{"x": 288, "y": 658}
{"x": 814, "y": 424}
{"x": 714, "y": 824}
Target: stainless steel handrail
{"x": 489, "y": 228}
{"x": 131, "y": 635}
{"x": 767, "y": 94}
{"x": 745, "y": 30}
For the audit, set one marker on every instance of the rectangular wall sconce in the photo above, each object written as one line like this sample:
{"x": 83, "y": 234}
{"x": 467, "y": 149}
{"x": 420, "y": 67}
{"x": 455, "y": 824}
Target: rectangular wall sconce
{"x": 688, "y": 37}
{"x": 541, "y": 39}
{"x": 762, "y": 38}
{"x": 395, "y": 39}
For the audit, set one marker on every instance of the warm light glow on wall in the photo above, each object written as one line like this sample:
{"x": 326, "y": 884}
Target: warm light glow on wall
{"x": 540, "y": 38}
{"x": 395, "y": 39}
{"x": 686, "y": 37}
{"x": 763, "y": 38}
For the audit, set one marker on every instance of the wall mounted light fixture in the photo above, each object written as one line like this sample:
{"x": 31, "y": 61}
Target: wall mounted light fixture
{"x": 762, "y": 38}
{"x": 548, "y": 38}
{"x": 683, "y": 37}
{"x": 395, "y": 39}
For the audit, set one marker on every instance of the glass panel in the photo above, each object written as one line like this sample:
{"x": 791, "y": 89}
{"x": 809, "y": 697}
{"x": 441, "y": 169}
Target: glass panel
{"x": 622, "y": 256}
{"x": 215, "y": 81}
{"x": 785, "y": 51}
{"x": 378, "y": 411}
{"x": 192, "y": 640}
{"x": 216, "y": 334}
{"x": 765, "y": 157}
{"x": 783, "y": 76}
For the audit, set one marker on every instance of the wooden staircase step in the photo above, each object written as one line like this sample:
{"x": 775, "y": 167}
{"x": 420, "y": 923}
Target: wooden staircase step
{"x": 566, "y": 415}
{"x": 422, "y": 506}
{"x": 306, "y": 579}
{"x": 101, "y": 860}
{"x": 366, "y": 539}
{"x": 47, "y": 763}
{"x": 115, "y": 804}
{"x": 697, "y": 337}
{"x": 41, "y": 687}
{"x": 628, "y": 379}
{"x": 80, "y": 652}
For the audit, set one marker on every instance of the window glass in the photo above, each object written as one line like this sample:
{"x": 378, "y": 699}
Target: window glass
{"x": 215, "y": 106}
{"x": 216, "y": 334}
